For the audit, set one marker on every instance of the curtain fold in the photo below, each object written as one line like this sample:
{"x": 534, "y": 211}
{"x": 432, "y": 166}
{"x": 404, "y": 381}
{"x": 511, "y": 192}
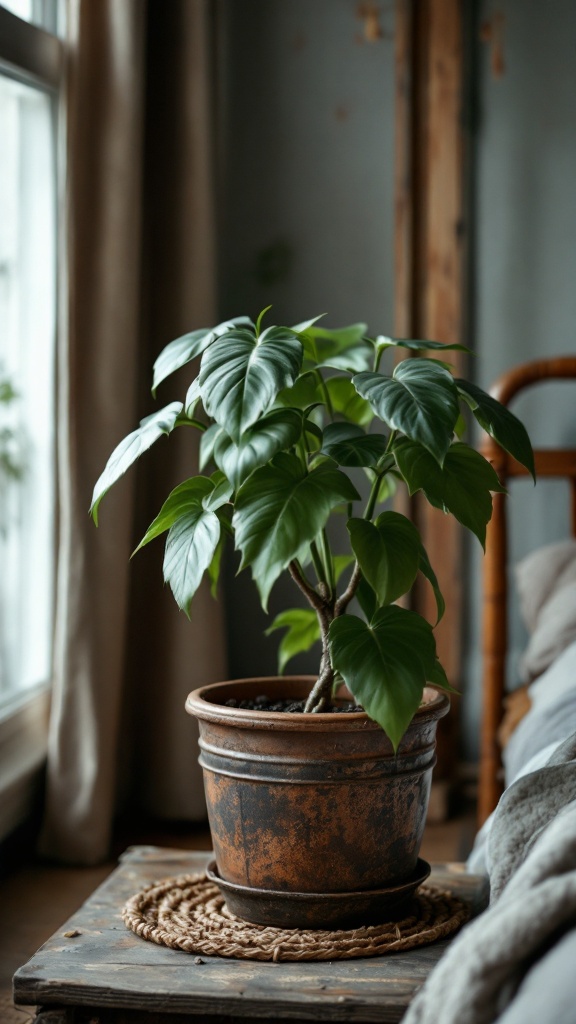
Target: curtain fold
{"x": 140, "y": 271}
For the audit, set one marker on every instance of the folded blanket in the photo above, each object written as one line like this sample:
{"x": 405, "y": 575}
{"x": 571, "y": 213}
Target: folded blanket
{"x": 523, "y": 939}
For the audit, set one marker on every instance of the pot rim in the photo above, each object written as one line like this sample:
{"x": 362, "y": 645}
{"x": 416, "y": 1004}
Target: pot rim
{"x": 199, "y": 705}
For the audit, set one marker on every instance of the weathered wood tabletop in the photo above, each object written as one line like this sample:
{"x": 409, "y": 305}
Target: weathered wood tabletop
{"x": 94, "y": 971}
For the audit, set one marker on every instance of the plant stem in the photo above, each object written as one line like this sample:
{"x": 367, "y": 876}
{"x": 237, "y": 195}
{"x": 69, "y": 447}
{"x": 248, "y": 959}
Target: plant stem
{"x": 328, "y": 563}
{"x": 313, "y": 598}
{"x": 369, "y": 510}
{"x": 325, "y": 393}
{"x": 319, "y": 565}
{"x": 344, "y": 600}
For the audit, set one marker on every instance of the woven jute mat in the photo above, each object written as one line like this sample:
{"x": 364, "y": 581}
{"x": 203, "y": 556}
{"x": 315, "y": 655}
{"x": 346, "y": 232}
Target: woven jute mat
{"x": 188, "y": 912}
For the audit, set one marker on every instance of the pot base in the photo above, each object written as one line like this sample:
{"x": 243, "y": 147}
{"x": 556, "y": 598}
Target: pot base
{"x": 331, "y": 910}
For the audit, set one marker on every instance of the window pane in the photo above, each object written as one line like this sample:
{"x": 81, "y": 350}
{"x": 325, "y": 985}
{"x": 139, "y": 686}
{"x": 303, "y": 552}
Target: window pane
{"x": 27, "y": 346}
{"x": 46, "y": 13}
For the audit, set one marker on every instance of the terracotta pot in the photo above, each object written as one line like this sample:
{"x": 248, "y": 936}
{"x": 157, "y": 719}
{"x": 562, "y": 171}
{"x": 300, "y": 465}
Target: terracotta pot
{"x": 312, "y": 803}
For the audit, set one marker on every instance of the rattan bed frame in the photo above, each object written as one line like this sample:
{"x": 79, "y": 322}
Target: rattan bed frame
{"x": 550, "y": 463}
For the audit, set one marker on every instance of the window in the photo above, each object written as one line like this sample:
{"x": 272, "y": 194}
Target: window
{"x": 30, "y": 119}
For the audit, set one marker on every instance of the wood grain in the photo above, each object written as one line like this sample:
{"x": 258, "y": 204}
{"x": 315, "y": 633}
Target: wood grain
{"x": 430, "y": 271}
{"x": 102, "y": 968}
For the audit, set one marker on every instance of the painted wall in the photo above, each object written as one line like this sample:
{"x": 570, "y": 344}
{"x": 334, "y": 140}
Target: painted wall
{"x": 524, "y": 256}
{"x": 306, "y": 206}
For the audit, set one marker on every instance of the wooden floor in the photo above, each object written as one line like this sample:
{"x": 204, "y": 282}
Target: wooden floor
{"x": 36, "y": 898}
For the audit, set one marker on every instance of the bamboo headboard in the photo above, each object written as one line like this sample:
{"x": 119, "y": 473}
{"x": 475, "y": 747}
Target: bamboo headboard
{"x": 557, "y": 462}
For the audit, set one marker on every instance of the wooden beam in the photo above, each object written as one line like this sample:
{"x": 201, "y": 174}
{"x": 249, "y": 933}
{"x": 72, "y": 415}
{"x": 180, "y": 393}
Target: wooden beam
{"x": 430, "y": 258}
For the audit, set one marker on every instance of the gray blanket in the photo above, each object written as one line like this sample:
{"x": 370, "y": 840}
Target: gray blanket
{"x": 516, "y": 962}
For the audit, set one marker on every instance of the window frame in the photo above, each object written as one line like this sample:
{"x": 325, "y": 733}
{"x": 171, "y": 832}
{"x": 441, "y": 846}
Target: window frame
{"x": 34, "y": 56}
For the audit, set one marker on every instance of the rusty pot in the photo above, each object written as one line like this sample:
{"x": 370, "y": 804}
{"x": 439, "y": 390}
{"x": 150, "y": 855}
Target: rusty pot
{"x": 312, "y": 804}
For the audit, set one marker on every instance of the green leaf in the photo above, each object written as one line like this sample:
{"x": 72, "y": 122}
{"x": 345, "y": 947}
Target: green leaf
{"x": 207, "y": 443}
{"x": 349, "y": 445}
{"x": 261, "y": 317}
{"x": 216, "y": 563}
{"x": 385, "y": 664}
{"x": 304, "y": 394}
{"x": 462, "y": 486}
{"x": 131, "y": 448}
{"x": 303, "y": 630}
{"x": 241, "y": 375}
{"x": 439, "y": 678}
{"x": 427, "y": 571}
{"x": 422, "y": 345}
{"x": 353, "y": 360}
{"x": 366, "y": 599}
{"x": 190, "y": 548}
{"x": 280, "y": 509}
{"x": 192, "y": 398}
{"x": 275, "y": 432}
{"x": 189, "y": 494}
{"x": 341, "y": 563}
{"x": 499, "y": 423}
{"x": 421, "y": 400}
{"x": 193, "y": 535}
{"x": 186, "y": 348}
{"x": 346, "y": 401}
{"x": 305, "y": 326}
{"x": 221, "y": 493}
{"x": 388, "y": 553}
{"x": 322, "y": 343}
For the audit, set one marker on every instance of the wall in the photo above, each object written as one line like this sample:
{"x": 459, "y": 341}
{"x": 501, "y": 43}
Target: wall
{"x": 524, "y": 256}
{"x": 306, "y": 196}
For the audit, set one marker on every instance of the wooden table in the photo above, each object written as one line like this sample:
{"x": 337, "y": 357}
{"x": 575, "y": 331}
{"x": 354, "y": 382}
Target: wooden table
{"x": 101, "y": 973}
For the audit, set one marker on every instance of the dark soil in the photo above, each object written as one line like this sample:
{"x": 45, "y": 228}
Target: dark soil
{"x": 265, "y": 703}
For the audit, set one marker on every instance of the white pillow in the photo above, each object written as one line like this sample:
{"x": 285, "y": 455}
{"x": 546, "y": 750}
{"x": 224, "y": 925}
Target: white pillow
{"x": 546, "y": 586}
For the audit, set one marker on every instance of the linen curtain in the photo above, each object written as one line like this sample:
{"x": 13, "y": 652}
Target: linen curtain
{"x": 141, "y": 271}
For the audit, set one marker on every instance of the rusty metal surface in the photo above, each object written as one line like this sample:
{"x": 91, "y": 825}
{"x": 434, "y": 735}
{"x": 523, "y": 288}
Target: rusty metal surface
{"x": 320, "y": 910}
{"x": 312, "y": 803}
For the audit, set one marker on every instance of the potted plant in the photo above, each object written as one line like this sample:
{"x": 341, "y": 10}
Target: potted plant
{"x": 293, "y": 420}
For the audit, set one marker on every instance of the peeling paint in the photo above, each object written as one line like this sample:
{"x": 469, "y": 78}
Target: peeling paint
{"x": 370, "y": 14}
{"x": 492, "y": 33}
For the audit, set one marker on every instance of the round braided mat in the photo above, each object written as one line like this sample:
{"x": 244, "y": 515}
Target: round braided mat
{"x": 188, "y": 912}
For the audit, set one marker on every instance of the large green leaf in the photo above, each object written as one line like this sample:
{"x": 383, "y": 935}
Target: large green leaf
{"x": 190, "y": 548}
{"x": 182, "y": 350}
{"x": 420, "y": 400}
{"x": 388, "y": 553}
{"x": 275, "y": 432}
{"x": 187, "y": 495}
{"x": 132, "y": 447}
{"x": 349, "y": 445}
{"x": 189, "y": 515}
{"x": 304, "y": 394}
{"x": 321, "y": 343}
{"x": 353, "y": 360}
{"x": 241, "y": 375}
{"x": 303, "y": 630}
{"x": 385, "y": 664}
{"x": 462, "y": 486}
{"x": 280, "y": 509}
{"x": 500, "y": 423}
{"x": 346, "y": 401}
